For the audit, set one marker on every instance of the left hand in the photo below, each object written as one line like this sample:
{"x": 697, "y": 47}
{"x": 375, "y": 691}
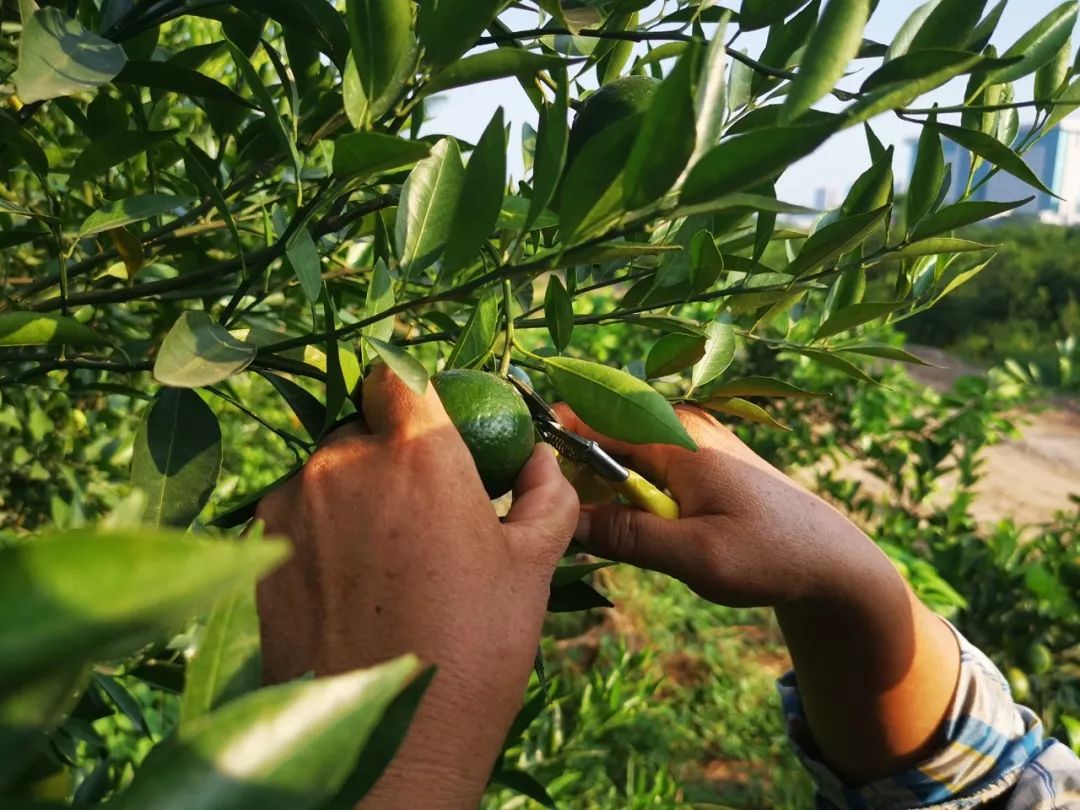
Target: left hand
{"x": 396, "y": 549}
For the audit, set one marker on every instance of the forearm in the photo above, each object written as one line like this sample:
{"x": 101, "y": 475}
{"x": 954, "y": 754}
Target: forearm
{"x": 876, "y": 669}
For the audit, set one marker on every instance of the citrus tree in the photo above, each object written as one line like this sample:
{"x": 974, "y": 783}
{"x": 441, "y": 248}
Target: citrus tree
{"x": 243, "y": 204}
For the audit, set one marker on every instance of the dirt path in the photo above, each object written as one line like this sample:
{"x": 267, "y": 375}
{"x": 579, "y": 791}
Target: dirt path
{"x": 1028, "y": 478}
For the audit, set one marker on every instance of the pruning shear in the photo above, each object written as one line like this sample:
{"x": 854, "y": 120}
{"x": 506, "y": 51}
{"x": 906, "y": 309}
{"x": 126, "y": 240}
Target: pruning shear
{"x": 631, "y": 485}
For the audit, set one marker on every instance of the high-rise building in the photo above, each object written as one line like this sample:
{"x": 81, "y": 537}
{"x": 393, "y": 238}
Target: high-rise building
{"x": 1055, "y": 160}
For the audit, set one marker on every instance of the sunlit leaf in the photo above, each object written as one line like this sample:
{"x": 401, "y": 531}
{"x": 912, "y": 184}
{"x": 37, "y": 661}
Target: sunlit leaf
{"x": 198, "y": 351}
{"x": 558, "y": 312}
{"x": 429, "y": 198}
{"x": 403, "y": 364}
{"x": 45, "y": 329}
{"x": 478, "y": 335}
{"x": 119, "y": 213}
{"x": 480, "y": 198}
{"x": 672, "y": 353}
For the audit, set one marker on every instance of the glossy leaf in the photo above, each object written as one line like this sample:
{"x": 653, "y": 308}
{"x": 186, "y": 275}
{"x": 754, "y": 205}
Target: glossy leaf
{"x": 949, "y": 24}
{"x": 743, "y": 409}
{"x": 308, "y": 410}
{"x": 178, "y": 79}
{"x": 941, "y": 245}
{"x": 836, "y": 239}
{"x": 45, "y": 329}
{"x": 960, "y": 279}
{"x": 834, "y": 361}
{"x": 672, "y": 353}
{"x": 855, "y": 315}
{"x": 303, "y": 258}
{"x": 198, "y": 351}
{"x": 489, "y": 65}
{"x": 379, "y": 298}
{"x": 266, "y": 104}
{"x": 381, "y": 42}
{"x": 176, "y": 458}
{"x": 591, "y": 196}
{"x": 905, "y": 34}
{"x": 525, "y": 784}
{"x": 927, "y": 175}
{"x": 706, "y": 263}
{"x": 287, "y": 747}
{"x": 228, "y": 661}
{"x": 710, "y": 101}
{"x": 448, "y": 28}
{"x": 1039, "y": 45}
{"x": 762, "y": 387}
{"x": 755, "y": 14}
{"x": 885, "y": 351}
{"x": 58, "y": 57}
{"x": 552, "y": 140}
{"x": 102, "y": 155}
{"x": 995, "y": 152}
{"x": 72, "y": 597}
{"x": 558, "y": 312}
{"x": 616, "y": 404}
{"x": 746, "y": 160}
{"x": 899, "y": 94}
{"x": 919, "y": 65}
{"x": 665, "y": 139}
{"x": 474, "y": 342}
{"x": 718, "y": 355}
{"x": 119, "y": 213}
{"x": 960, "y": 214}
{"x": 833, "y": 45}
{"x": 429, "y": 198}
{"x": 403, "y": 364}
{"x": 480, "y": 199}
{"x": 364, "y": 154}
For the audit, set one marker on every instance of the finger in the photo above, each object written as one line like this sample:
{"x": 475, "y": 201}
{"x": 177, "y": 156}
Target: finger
{"x": 390, "y": 406}
{"x": 629, "y": 535}
{"x": 545, "y": 508}
{"x": 654, "y": 460}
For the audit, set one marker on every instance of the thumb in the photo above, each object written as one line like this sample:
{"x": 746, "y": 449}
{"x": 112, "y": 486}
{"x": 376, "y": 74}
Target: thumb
{"x": 545, "y": 510}
{"x": 636, "y": 537}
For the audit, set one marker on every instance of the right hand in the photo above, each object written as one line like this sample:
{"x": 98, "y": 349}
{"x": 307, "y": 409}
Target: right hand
{"x": 748, "y": 535}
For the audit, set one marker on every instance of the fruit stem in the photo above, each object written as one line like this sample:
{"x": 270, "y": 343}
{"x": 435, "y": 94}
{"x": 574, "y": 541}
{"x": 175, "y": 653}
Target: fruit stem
{"x": 508, "y": 298}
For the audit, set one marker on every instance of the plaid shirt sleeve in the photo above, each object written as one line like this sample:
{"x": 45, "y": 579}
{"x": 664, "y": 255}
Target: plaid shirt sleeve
{"x": 992, "y": 753}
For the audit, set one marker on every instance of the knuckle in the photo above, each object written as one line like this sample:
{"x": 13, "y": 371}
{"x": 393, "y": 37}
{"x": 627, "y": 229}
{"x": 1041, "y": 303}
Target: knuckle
{"x": 623, "y": 535}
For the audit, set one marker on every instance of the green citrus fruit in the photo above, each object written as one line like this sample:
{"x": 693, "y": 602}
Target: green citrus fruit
{"x": 1018, "y": 684}
{"x": 1038, "y": 659}
{"x": 493, "y": 420}
{"x": 611, "y": 103}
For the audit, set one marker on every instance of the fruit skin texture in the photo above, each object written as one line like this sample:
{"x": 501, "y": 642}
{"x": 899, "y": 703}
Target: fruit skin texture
{"x": 612, "y": 102}
{"x": 1038, "y": 659}
{"x": 493, "y": 420}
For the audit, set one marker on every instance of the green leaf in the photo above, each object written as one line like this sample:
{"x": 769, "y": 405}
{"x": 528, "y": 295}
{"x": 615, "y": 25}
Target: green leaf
{"x": 448, "y": 28}
{"x": 25, "y": 145}
{"x": 123, "y": 700}
{"x": 921, "y": 64}
{"x": 959, "y": 279}
{"x": 746, "y": 160}
{"x": 949, "y": 24}
{"x": 178, "y": 79}
{"x": 980, "y": 37}
{"x": 834, "y": 43}
{"x": 27, "y": 714}
{"x": 832, "y": 360}
{"x": 72, "y": 597}
{"x": 476, "y": 338}
{"x": 899, "y": 94}
{"x": 960, "y": 214}
{"x": 287, "y": 747}
{"x": 20, "y": 236}
{"x": 303, "y": 258}
{"x": 198, "y": 351}
{"x": 995, "y": 152}
{"x": 403, "y": 364}
{"x": 719, "y": 352}
{"x": 266, "y": 104}
{"x": 176, "y": 458}
{"x": 558, "y": 312}
{"x": 308, "y": 410}
{"x": 905, "y": 34}
{"x": 1039, "y": 45}
{"x": 756, "y": 14}
{"x": 525, "y": 784}
{"x": 829, "y": 243}
{"x": 118, "y": 213}
{"x": 591, "y": 196}
{"x": 480, "y": 199}
{"x": 743, "y": 409}
{"x": 58, "y": 57}
{"x": 575, "y": 597}
{"x": 927, "y": 175}
{"x": 1068, "y": 100}
{"x": 380, "y": 36}
{"x": 566, "y": 574}
{"x": 364, "y": 154}
{"x": 710, "y": 96}
{"x": 855, "y": 315}
{"x": 941, "y": 245}
{"x": 380, "y": 298}
{"x": 872, "y": 189}
{"x": 616, "y": 404}
{"x": 706, "y": 263}
{"x": 489, "y": 65}
{"x": 665, "y": 139}
{"x": 762, "y": 387}
{"x": 43, "y": 329}
{"x": 337, "y": 387}
{"x": 888, "y": 352}
{"x": 672, "y": 353}
{"x": 552, "y": 139}
{"x": 102, "y": 155}
{"x": 429, "y": 199}
{"x": 228, "y": 661}
{"x": 1051, "y": 77}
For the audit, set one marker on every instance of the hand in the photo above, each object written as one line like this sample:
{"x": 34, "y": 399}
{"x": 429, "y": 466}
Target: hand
{"x": 396, "y": 549}
{"x": 876, "y": 669}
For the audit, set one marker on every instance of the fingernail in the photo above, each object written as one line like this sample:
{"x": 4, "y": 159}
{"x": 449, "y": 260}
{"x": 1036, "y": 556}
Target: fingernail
{"x": 584, "y": 523}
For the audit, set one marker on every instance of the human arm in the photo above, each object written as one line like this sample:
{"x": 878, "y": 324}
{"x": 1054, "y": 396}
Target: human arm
{"x": 876, "y": 669}
{"x": 396, "y": 549}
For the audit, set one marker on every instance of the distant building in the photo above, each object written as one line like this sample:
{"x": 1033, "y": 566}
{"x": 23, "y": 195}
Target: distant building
{"x": 1055, "y": 160}
{"x": 827, "y": 198}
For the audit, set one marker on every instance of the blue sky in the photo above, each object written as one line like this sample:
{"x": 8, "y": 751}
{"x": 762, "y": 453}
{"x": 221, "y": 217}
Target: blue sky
{"x": 466, "y": 112}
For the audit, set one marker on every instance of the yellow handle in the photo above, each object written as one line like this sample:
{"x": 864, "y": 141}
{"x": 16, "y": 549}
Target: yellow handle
{"x": 646, "y": 496}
